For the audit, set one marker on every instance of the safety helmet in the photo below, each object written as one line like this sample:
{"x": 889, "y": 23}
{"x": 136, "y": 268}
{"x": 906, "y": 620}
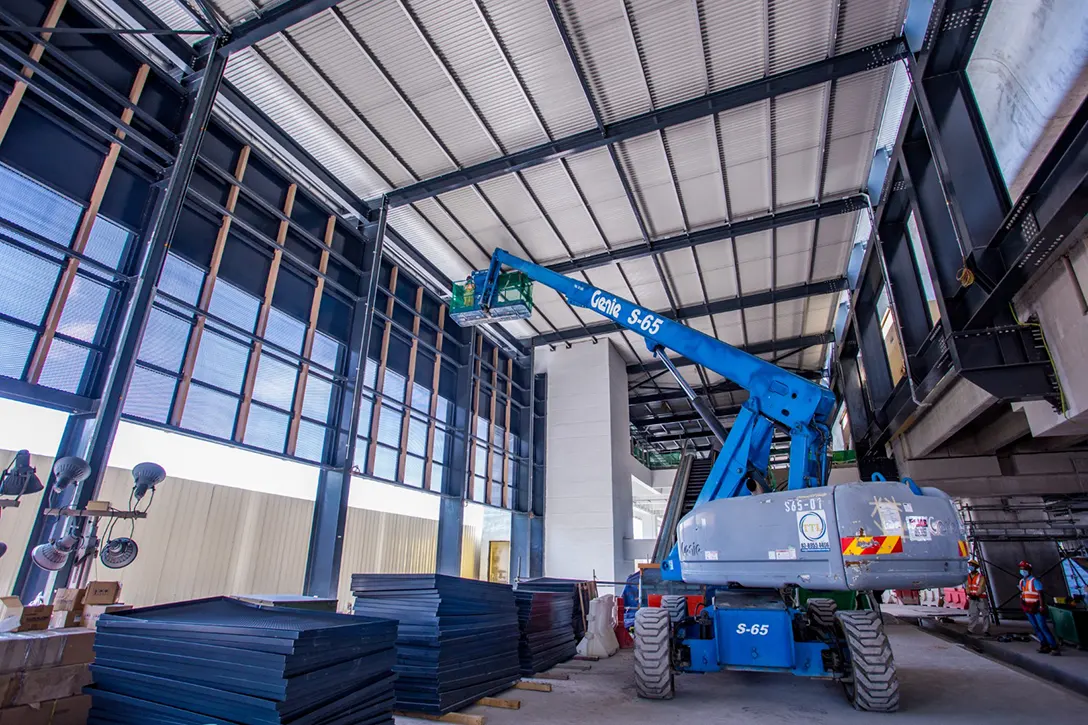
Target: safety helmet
{"x": 972, "y": 562}
{"x": 1025, "y": 565}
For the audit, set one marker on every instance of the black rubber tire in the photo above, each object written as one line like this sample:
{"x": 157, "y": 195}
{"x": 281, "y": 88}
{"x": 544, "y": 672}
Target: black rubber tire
{"x": 871, "y": 683}
{"x": 821, "y": 611}
{"x": 653, "y": 663}
{"x": 676, "y": 605}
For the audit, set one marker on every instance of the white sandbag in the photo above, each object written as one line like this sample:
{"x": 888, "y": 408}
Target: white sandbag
{"x": 600, "y": 639}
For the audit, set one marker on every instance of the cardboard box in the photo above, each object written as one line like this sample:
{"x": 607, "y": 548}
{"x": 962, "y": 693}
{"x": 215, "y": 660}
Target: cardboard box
{"x": 35, "y": 686}
{"x": 68, "y": 600}
{"x": 92, "y": 612}
{"x": 66, "y": 711}
{"x": 102, "y": 593}
{"x": 51, "y": 648}
{"x": 66, "y": 620}
{"x": 14, "y": 617}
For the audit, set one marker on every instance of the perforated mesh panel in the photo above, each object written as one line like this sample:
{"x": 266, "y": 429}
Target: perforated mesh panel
{"x": 385, "y": 463}
{"x": 285, "y": 330}
{"x": 149, "y": 395}
{"x": 389, "y": 426}
{"x": 498, "y": 436}
{"x": 417, "y": 436}
{"x": 210, "y": 412}
{"x": 107, "y": 242}
{"x": 164, "y": 340}
{"x": 311, "y": 441}
{"x": 26, "y": 284}
{"x": 442, "y": 409}
{"x": 315, "y": 403}
{"x": 16, "y": 344}
{"x": 266, "y": 428}
{"x": 275, "y": 382}
{"x": 437, "y": 472}
{"x": 83, "y": 310}
{"x": 234, "y": 305}
{"x": 413, "y": 471}
{"x": 394, "y": 385}
{"x": 181, "y": 279}
{"x": 326, "y": 351}
{"x": 64, "y": 366}
{"x": 421, "y": 398}
{"x": 366, "y": 408}
{"x": 481, "y": 428}
{"x": 36, "y": 208}
{"x": 441, "y": 436}
{"x": 370, "y": 373}
{"x": 221, "y": 361}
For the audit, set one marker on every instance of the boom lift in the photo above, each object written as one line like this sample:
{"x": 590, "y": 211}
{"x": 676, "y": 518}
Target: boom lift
{"x": 778, "y": 564}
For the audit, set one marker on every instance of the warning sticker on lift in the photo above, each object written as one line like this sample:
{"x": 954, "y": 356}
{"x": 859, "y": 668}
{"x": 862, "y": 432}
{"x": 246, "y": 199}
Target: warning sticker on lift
{"x": 812, "y": 531}
{"x": 890, "y": 521}
{"x": 918, "y": 528}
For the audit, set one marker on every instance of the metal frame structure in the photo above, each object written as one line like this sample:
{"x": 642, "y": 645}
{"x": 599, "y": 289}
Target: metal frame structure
{"x": 233, "y": 200}
{"x": 944, "y": 195}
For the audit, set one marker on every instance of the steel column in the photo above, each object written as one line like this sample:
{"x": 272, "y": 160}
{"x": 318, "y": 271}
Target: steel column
{"x": 456, "y": 481}
{"x": 91, "y": 436}
{"x": 333, "y": 485}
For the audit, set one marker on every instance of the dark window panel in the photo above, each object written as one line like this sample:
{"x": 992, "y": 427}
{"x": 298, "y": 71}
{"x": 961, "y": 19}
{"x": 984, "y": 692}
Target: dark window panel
{"x": 209, "y": 185}
{"x": 348, "y": 244}
{"x": 306, "y": 250}
{"x": 195, "y": 237}
{"x": 334, "y": 318}
{"x": 255, "y": 216}
{"x": 70, "y": 166}
{"x": 309, "y": 215}
{"x": 126, "y": 197}
{"x": 221, "y": 148}
{"x": 294, "y": 291}
{"x": 244, "y": 265}
{"x": 265, "y": 182}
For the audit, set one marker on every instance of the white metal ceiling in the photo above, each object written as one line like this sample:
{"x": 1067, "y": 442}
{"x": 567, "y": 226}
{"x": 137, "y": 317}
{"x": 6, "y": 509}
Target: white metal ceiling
{"x": 389, "y": 92}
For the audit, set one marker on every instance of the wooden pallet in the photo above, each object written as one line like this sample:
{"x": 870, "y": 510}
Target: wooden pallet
{"x": 459, "y": 718}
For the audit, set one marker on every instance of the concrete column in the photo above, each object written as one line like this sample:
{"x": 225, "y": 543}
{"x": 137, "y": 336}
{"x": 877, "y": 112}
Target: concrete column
{"x": 588, "y": 470}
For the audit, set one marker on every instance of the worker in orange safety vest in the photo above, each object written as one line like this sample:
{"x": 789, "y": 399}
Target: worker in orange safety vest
{"x": 978, "y": 606}
{"x": 1034, "y": 606}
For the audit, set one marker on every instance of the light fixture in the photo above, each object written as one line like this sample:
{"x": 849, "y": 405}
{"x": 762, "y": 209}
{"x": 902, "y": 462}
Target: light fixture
{"x": 20, "y": 477}
{"x": 119, "y": 553}
{"x": 146, "y": 476}
{"x": 69, "y": 471}
{"x": 54, "y": 555}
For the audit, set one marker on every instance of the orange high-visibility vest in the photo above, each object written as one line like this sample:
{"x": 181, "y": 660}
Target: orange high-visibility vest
{"x": 976, "y": 585}
{"x": 1030, "y": 592}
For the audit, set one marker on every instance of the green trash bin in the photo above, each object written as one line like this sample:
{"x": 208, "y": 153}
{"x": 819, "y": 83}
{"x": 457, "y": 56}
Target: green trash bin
{"x": 1070, "y": 625}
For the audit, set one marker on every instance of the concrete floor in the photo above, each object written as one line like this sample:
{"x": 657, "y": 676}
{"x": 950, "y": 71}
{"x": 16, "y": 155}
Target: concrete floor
{"x": 940, "y": 682}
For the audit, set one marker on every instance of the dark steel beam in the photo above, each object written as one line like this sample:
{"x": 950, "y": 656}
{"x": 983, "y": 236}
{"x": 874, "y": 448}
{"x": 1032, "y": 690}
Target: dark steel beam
{"x": 682, "y": 417}
{"x": 273, "y": 20}
{"x": 758, "y": 348}
{"x": 688, "y": 240}
{"x": 732, "y": 304}
{"x": 727, "y": 99}
{"x": 725, "y": 386}
{"x": 24, "y": 392}
{"x": 322, "y": 575}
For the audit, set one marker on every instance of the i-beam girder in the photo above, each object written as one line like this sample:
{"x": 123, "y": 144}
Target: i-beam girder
{"x": 272, "y": 20}
{"x": 688, "y": 312}
{"x": 725, "y": 386}
{"x": 758, "y": 348}
{"x": 812, "y": 74}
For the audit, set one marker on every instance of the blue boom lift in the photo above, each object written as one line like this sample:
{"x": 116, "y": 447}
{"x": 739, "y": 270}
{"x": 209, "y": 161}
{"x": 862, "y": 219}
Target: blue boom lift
{"x": 774, "y": 561}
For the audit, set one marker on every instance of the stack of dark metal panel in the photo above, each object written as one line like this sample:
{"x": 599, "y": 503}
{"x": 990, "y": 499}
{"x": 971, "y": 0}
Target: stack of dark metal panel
{"x": 220, "y": 661}
{"x": 457, "y": 640}
{"x": 579, "y": 592}
{"x": 547, "y": 637}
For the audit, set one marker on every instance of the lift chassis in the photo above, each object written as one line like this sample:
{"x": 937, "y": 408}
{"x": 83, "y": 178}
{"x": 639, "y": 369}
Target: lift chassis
{"x": 784, "y": 567}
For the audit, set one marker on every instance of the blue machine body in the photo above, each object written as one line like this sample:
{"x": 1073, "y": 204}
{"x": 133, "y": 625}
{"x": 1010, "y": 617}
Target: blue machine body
{"x": 755, "y": 630}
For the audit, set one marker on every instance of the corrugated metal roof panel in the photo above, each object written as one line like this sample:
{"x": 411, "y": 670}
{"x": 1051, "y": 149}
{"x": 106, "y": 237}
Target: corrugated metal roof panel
{"x": 745, "y": 142}
{"x": 898, "y": 93}
{"x": 799, "y": 121}
{"x": 863, "y": 22}
{"x": 735, "y": 37}
{"x": 236, "y": 10}
{"x": 596, "y": 176}
{"x": 460, "y": 33}
{"x": 694, "y": 153}
{"x": 266, "y": 88}
{"x": 389, "y": 32}
{"x": 332, "y": 44}
{"x": 602, "y": 40}
{"x": 286, "y": 57}
{"x": 554, "y": 189}
{"x": 800, "y": 32}
{"x": 730, "y": 327}
{"x": 173, "y": 15}
{"x": 669, "y": 39}
{"x": 647, "y": 168}
{"x": 537, "y": 53}
{"x": 411, "y": 225}
{"x": 760, "y": 321}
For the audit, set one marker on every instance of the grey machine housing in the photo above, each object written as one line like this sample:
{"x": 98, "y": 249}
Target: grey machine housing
{"x": 796, "y": 538}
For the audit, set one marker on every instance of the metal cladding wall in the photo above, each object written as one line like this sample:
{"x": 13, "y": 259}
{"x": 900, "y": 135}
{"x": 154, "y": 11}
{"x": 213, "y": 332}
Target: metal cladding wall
{"x": 201, "y": 539}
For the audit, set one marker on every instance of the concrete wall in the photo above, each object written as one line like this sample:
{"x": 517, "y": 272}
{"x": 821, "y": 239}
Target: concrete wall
{"x": 588, "y": 463}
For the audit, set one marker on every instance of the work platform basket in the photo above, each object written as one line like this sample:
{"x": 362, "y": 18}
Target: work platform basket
{"x": 513, "y": 299}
